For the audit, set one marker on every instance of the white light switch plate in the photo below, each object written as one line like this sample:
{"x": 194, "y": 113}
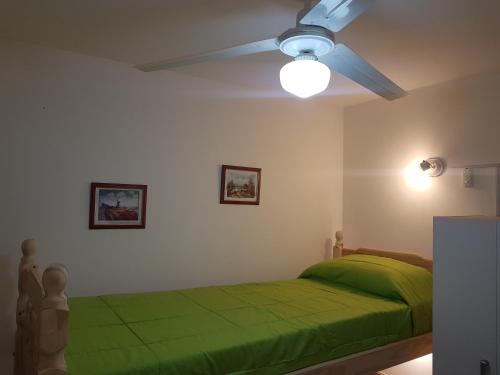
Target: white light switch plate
{"x": 468, "y": 178}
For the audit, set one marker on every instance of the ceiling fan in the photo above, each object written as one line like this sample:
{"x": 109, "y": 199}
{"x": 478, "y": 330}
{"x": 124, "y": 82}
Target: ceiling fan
{"x": 312, "y": 45}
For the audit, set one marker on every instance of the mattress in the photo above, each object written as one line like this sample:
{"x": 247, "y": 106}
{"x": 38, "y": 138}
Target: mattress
{"x": 255, "y": 328}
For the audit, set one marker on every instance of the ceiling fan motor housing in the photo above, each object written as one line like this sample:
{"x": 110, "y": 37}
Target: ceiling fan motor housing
{"x": 307, "y": 40}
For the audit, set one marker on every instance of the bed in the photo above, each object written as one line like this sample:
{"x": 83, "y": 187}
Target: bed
{"x": 365, "y": 311}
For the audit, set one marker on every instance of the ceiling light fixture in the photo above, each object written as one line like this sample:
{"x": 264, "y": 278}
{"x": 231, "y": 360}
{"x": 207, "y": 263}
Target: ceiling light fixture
{"x": 305, "y": 76}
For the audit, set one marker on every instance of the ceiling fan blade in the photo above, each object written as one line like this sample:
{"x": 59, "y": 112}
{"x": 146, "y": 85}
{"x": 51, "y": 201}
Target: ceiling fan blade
{"x": 346, "y": 62}
{"x": 223, "y": 54}
{"x": 335, "y": 14}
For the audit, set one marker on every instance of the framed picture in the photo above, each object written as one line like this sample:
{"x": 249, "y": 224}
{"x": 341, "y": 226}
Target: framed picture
{"x": 240, "y": 185}
{"x": 117, "y": 206}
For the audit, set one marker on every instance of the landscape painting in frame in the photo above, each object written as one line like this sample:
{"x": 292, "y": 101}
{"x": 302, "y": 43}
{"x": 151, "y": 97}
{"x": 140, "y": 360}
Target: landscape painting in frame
{"x": 240, "y": 185}
{"x": 117, "y": 206}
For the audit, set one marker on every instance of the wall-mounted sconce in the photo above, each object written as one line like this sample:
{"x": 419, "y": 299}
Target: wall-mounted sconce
{"x": 418, "y": 174}
{"x": 433, "y": 167}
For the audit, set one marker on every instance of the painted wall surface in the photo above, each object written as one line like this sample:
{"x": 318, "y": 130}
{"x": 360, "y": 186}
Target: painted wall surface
{"x": 458, "y": 121}
{"x": 68, "y": 120}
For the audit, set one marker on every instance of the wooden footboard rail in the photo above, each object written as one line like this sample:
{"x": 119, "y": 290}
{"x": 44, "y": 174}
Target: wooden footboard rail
{"x": 41, "y": 317}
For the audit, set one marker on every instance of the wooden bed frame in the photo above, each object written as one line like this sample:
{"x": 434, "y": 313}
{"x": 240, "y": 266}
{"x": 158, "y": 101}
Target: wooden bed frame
{"x": 43, "y": 314}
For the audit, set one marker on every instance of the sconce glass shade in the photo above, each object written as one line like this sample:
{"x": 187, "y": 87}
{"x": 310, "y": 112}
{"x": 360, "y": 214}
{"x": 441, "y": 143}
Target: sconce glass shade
{"x": 419, "y": 173}
{"x": 305, "y": 78}
{"x": 416, "y": 178}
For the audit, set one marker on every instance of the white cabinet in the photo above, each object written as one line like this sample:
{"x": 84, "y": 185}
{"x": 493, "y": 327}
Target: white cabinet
{"x": 465, "y": 304}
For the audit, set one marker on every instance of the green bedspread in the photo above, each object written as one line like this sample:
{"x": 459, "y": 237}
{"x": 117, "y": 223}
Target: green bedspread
{"x": 262, "y": 328}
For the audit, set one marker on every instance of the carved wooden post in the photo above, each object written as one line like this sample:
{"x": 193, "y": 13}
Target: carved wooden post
{"x": 29, "y": 294}
{"x": 339, "y": 244}
{"x": 53, "y": 322}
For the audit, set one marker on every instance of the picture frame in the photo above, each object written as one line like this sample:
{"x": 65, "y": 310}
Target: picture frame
{"x": 117, "y": 206}
{"x": 240, "y": 185}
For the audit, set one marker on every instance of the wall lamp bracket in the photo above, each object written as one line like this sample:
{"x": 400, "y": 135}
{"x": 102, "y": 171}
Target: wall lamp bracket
{"x": 433, "y": 167}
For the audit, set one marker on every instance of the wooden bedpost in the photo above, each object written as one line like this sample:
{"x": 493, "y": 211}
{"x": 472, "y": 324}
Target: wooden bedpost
{"x": 53, "y": 322}
{"x": 339, "y": 244}
{"x": 30, "y": 295}
{"x": 41, "y": 317}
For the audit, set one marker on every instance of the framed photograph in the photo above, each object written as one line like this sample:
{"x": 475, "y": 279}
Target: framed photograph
{"x": 240, "y": 185}
{"x": 117, "y": 206}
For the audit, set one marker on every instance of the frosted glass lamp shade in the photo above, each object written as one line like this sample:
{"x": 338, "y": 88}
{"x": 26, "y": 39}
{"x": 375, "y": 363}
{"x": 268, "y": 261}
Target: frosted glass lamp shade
{"x": 305, "y": 78}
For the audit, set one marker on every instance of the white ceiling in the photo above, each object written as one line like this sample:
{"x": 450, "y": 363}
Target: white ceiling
{"x": 414, "y": 42}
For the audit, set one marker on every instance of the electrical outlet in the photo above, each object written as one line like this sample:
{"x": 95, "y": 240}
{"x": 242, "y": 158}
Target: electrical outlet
{"x": 467, "y": 178}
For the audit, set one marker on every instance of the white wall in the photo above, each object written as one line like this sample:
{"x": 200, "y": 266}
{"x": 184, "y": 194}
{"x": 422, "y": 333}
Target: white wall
{"x": 458, "y": 120}
{"x": 68, "y": 120}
